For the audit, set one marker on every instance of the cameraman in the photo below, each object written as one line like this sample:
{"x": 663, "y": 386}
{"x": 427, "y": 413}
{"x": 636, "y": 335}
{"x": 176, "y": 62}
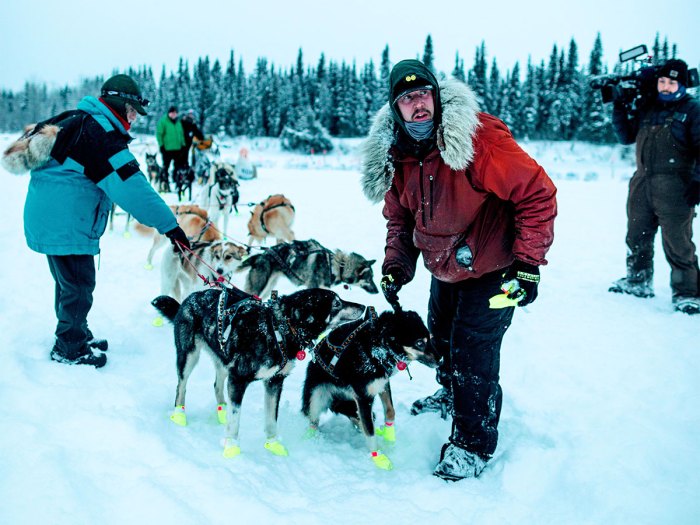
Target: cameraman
{"x": 665, "y": 188}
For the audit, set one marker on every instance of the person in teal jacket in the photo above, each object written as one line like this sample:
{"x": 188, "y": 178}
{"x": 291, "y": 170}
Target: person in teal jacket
{"x": 80, "y": 163}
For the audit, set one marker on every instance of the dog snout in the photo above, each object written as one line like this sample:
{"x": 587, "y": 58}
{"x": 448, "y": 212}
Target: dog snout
{"x": 369, "y": 287}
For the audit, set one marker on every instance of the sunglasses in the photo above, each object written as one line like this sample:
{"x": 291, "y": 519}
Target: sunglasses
{"x": 128, "y": 96}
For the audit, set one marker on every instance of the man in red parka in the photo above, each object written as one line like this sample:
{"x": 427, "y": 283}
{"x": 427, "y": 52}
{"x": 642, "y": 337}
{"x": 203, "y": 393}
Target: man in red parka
{"x": 458, "y": 190}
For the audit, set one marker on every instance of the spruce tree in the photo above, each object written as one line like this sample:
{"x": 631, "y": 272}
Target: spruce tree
{"x": 458, "y": 71}
{"x": 595, "y": 125}
{"x": 477, "y": 75}
{"x": 530, "y": 102}
{"x": 494, "y": 95}
{"x": 428, "y": 54}
{"x": 384, "y": 71}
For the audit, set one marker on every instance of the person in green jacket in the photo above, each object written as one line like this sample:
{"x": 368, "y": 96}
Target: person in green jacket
{"x": 171, "y": 140}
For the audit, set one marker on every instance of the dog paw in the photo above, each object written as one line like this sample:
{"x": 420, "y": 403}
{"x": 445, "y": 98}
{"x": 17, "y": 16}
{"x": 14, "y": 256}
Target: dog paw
{"x": 178, "y": 416}
{"x": 231, "y": 448}
{"x": 311, "y": 433}
{"x": 277, "y": 448}
{"x": 387, "y": 432}
{"x": 221, "y": 413}
{"x": 381, "y": 460}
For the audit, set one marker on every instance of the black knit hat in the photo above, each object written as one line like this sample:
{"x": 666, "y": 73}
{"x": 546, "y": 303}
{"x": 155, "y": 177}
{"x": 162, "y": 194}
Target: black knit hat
{"x": 120, "y": 90}
{"x": 407, "y": 76}
{"x": 675, "y": 69}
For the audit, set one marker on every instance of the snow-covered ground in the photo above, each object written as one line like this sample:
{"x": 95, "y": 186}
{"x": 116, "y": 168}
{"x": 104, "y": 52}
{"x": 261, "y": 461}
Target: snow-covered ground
{"x": 600, "y": 418}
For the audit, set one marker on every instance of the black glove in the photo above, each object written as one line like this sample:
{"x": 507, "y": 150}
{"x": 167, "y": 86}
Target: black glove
{"x": 391, "y": 283}
{"x": 521, "y": 280}
{"x": 692, "y": 193}
{"x": 176, "y": 235}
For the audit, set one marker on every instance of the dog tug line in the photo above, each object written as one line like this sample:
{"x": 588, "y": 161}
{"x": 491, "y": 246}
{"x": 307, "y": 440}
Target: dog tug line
{"x": 277, "y": 323}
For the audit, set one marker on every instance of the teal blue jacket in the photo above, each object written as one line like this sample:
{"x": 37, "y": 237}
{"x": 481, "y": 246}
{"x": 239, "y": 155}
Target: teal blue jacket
{"x": 90, "y": 166}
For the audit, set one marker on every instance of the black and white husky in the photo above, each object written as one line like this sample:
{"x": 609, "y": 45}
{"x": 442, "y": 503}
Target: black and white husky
{"x": 220, "y": 195}
{"x": 248, "y": 340}
{"x": 353, "y": 364}
{"x": 308, "y": 264}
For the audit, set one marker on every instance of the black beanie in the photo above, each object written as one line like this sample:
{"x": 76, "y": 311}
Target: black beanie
{"x": 409, "y": 75}
{"x": 675, "y": 69}
{"x": 120, "y": 90}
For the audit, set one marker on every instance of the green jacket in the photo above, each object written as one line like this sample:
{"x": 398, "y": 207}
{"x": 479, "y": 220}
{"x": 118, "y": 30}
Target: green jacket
{"x": 170, "y": 134}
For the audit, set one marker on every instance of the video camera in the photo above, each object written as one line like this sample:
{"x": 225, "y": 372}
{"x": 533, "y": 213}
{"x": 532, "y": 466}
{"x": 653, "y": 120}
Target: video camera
{"x": 638, "y": 87}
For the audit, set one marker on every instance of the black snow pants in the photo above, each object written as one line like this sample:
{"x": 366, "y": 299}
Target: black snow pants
{"x": 178, "y": 157}
{"x": 468, "y": 334}
{"x": 75, "y": 282}
{"x": 656, "y": 199}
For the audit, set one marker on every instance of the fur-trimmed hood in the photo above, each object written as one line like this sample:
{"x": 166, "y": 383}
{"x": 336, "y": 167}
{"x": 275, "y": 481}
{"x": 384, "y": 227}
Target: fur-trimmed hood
{"x": 32, "y": 150}
{"x": 455, "y": 138}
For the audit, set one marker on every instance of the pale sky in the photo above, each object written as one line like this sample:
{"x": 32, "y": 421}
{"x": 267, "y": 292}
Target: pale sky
{"x": 61, "y": 41}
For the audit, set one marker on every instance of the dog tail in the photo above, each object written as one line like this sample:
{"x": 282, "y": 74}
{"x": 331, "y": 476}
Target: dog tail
{"x": 167, "y": 306}
{"x": 344, "y": 407}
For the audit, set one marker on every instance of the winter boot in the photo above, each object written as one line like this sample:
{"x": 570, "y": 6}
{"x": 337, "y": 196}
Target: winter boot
{"x": 99, "y": 344}
{"x": 83, "y": 356}
{"x": 637, "y": 288}
{"x": 687, "y": 305}
{"x": 93, "y": 342}
{"x": 458, "y": 463}
{"x": 440, "y": 401}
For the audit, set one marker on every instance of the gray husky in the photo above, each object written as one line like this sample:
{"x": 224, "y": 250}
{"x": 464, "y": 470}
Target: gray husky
{"x": 308, "y": 264}
{"x": 248, "y": 340}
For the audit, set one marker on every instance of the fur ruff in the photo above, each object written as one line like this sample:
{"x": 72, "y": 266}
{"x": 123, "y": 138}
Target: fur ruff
{"x": 455, "y": 136}
{"x": 30, "y": 151}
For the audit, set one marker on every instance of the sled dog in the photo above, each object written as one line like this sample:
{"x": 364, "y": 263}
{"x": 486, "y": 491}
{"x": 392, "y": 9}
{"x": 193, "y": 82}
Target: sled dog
{"x": 179, "y": 272}
{"x": 308, "y": 264}
{"x": 274, "y": 217}
{"x": 220, "y": 321}
{"x": 156, "y": 176}
{"x": 193, "y": 220}
{"x": 220, "y": 195}
{"x": 354, "y": 363}
{"x": 183, "y": 178}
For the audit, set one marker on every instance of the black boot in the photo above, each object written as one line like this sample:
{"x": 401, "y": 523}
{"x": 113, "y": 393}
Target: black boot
{"x": 100, "y": 344}
{"x": 458, "y": 463}
{"x": 637, "y": 283}
{"x": 63, "y": 353}
{"x": 440, "y": 401}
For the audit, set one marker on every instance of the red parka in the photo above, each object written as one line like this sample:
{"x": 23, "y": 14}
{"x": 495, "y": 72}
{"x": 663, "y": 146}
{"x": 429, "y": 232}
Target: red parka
{"x": 478, "y": 188}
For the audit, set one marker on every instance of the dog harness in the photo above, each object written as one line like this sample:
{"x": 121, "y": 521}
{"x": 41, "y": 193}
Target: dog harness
{"x": 295, "y": 251}
{"x": 265, "y": 210}
{"x": 223, "y": 315}
{"x": 207, "y": 224}
{"x": 276, "y": 320}
{"x": 336, "y": 351}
